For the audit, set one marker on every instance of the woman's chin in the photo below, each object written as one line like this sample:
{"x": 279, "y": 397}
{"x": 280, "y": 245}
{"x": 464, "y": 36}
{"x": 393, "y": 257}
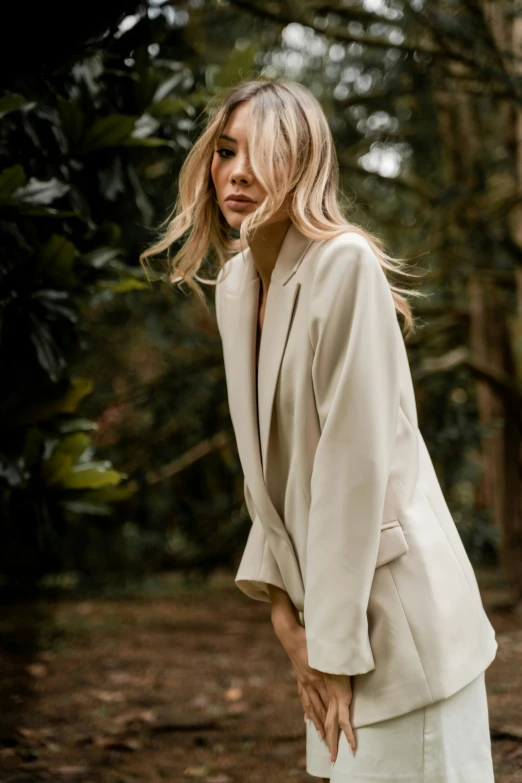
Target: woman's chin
{"x": 235, "y": 219}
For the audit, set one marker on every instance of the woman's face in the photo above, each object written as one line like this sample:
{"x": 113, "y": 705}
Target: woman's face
{"x": 231, "y": 172}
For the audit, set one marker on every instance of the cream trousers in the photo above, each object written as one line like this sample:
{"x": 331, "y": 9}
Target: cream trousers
{"x": 445, "y": 742}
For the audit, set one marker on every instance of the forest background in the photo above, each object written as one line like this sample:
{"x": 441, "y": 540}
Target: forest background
{"x": 117, "y": 457}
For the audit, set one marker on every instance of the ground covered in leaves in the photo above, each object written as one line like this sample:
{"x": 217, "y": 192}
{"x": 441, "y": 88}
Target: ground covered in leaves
{"x": 181, "y": 684}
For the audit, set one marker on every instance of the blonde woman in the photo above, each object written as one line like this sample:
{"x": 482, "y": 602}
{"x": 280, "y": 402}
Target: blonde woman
{"x": 373, "y": 596}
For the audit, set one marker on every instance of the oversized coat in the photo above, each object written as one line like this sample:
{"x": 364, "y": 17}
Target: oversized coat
{"x": 348, "y": 515}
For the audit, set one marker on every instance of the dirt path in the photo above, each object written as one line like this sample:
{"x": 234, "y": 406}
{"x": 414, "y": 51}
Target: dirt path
{"x": 187, "y": 686}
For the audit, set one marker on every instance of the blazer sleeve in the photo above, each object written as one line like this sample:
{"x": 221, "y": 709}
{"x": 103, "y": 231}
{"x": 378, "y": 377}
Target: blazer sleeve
{"x": 355, "y": 374}
{"x": 257, "y": 568}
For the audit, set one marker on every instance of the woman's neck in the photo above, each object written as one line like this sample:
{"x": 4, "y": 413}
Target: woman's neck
{"x": 265, "y": 246}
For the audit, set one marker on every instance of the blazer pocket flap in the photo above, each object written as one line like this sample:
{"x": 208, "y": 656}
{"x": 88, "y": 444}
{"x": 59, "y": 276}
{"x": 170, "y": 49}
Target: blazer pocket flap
{"x": 392, "y": 543}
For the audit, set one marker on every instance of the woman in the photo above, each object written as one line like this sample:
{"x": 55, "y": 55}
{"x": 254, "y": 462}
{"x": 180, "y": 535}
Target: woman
{"x": 373, "y": 596}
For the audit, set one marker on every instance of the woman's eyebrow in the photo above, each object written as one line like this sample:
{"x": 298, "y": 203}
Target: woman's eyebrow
{"x": 228, "y": 138}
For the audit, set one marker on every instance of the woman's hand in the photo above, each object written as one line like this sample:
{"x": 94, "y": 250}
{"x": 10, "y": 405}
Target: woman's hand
{"x": 311, "y": 684}
{"x": 339, "y": 687}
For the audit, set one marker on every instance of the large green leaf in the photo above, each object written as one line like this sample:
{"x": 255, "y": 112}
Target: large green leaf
{"x": 14, "y": 102}
{"x": 166, "y": 86}
{"x": 101, "y": 256}
{"x": 72, "y": 121}
{"x": 48, "y": 352}
{"x": 87, "y": 507}
{"x": 74, "y": 445}
{"x": 56, "y": 468}
{"x": 180, "y": 105}
{"x": 238, "y": 66}
{"x": 122, "y": 286}
{"x": 63, "y": 467}
{"x": 114, "y": 494}
{"x": 10, "y": 180}
{"x": 57, "y": 304}
{"x": 65, "y": 454}
{"x": 37, "y": 192}
{"x": 30, "y": 211}
{"x": 98, "y": 501}
{"x": 77, "y": 425}
{"x": 56, "y": 258}
{"x": 145, "y": 126}
{"x": 167, "y": 107}
{"x": 91, "y": 475}
{"x": 11, "y": 229}
{"x": 109, "y": 131}
{"x": 66, "y": 403}
{"x": 151, "y": 141}
{"x": 143, "y": 202}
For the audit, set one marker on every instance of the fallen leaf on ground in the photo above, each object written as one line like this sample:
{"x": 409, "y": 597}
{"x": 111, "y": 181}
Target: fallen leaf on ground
{"x": 117, "y": 743}
{"x": 36, "y": 734}
{"x": 47, "y": 655}
{"x": 126, "y": 678}
{"x": 36, "y": 670}
{"x": 109, "y": 697}
{"x": 233, "y": 694}
{"x": 197, "y": 772}
{"x": 77, "y": 769}
{"x": 200, "y": 701}
{"x": 237, "y": 708}
{"x": 135, "y": 716}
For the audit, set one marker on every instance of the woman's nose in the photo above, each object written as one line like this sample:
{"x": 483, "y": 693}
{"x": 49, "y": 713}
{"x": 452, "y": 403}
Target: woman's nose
{"x": 241, "y": 172}
{"x": 239, "y": 176}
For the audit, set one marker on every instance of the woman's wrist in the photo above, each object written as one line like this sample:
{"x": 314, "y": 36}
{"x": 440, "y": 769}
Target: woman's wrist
{"x": 284, "y": 616}
{"x": 289, "y": 632}
{"x": 284, "y": 620}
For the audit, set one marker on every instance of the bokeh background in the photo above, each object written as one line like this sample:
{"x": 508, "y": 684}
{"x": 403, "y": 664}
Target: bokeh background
{"x": 127, "y": 652}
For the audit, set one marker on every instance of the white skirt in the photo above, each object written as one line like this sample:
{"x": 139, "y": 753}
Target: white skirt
{"x": 446, "y": 742}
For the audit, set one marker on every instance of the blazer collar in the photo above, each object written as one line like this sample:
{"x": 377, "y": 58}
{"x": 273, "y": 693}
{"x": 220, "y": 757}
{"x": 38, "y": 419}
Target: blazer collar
{"x": 252, "y": 421}
{"x": 289, "y": 257}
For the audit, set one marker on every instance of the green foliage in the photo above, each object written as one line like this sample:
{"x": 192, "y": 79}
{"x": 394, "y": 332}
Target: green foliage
{"x": 106, "y": 368}
{"x": 74, "y": 159}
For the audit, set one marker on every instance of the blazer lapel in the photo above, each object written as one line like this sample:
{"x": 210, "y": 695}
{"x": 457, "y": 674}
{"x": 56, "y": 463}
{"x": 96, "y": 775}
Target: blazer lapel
{"x": 280, "y": 306}
{"x": 283, "y": 293}
{"x": 239, "y": 343}
{"x": 239, "y": 354}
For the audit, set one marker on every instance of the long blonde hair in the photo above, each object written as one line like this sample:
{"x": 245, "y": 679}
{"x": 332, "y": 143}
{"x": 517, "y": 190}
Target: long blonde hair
{"x": 291, "y": 153}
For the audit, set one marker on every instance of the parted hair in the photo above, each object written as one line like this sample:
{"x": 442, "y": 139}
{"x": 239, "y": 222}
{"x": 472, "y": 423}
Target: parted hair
{"x": 292, "y": 155}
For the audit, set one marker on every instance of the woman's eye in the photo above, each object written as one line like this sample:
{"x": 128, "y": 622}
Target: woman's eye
{"x": 223, "y": 150}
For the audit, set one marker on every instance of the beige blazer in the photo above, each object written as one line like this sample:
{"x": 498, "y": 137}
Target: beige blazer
{"x": 347, "y": 513}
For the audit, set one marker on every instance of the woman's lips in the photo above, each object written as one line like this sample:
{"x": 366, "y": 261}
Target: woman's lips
{"x": 235, "y": 204}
